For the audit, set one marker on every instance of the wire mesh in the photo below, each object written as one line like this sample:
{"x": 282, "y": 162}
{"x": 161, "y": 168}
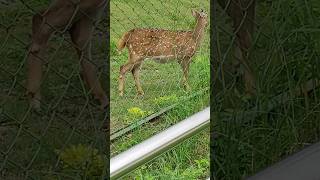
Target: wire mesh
{"x": 160, "y": 82}
{"x": 252, "y": 132}
{"x": 64, "y": 139}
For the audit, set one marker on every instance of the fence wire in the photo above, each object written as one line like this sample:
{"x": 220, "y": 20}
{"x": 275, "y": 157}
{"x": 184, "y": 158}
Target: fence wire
{"x": 64, "y": 139}
{"x": 254, "y": 131}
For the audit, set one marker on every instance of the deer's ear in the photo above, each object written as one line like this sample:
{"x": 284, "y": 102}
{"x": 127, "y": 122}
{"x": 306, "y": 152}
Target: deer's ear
{"x": 202, "y": 13}
{"x": 194, "y": 13}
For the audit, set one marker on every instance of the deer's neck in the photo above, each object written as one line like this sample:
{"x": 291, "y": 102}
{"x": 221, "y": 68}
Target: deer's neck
{"x": 198, "y": 32}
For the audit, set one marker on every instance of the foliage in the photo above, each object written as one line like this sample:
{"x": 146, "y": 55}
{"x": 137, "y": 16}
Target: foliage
{"x": 285, "y": 54}
{"x": 136, "y": 112}
{"x": 84, "y": 160}
{"x": 165, "y": 100}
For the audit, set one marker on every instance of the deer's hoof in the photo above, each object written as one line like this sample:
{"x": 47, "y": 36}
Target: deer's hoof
{"x": 140, "y": 93}
{"x": 250, "y": 91}
{"x": 104, "y": 104}
{"x": 103, "y": 107}
{"x": 105, "y": 127}
{"x": 34, "y": 100}
{"x": 121, "y": 94}
{"x": 35, "y": 104}
{"x": 186, "y": 87}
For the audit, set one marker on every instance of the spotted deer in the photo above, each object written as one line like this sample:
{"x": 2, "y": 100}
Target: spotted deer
{"x": 242, "y": 13}
{"x": 162, "y": 46}
{"x": 65, "y": 15}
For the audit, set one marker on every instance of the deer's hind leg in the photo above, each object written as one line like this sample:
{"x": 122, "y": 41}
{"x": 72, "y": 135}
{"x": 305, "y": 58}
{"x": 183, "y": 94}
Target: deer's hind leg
{"x": 242, "y": 12}
{"x": 81, "y": 33}
{"x": 244, "y": 27}
{"x": 124, "y": 69}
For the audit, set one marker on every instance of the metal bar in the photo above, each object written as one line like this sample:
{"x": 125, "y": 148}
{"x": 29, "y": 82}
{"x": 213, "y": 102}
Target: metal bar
{"x": 302, "y": 165}
{"x": 141, "y": 153}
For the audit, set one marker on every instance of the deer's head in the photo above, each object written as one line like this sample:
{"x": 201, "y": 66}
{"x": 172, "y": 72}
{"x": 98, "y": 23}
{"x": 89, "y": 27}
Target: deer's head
{"x": 200, "y": 16}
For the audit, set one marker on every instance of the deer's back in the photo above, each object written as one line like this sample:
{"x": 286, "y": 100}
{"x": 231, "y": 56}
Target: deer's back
{"x": 84, "y": 8}
{"x": 161, "y": 43}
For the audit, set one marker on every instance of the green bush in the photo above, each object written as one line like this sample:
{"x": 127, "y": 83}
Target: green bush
{"x": 84, "y": 160}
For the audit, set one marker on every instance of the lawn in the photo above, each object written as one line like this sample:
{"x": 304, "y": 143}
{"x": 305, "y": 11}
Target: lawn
{"x": 161, "y": 84}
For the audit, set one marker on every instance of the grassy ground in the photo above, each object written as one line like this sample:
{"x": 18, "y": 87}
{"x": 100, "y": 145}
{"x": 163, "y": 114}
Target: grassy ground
{"x": 161, "y": 83}
{"x": 285, "y": 54}
{"x": 30, "y": 140}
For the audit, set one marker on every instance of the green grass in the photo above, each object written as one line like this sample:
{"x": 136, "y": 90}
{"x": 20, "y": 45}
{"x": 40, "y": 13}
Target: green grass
{"x": 179, "y": 163}
{"x": 161, "y": 84}
{"x": 285, "y": 55}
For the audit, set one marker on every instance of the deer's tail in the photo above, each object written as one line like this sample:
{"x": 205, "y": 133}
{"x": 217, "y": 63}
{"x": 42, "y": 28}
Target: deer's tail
{"x": 123, "y": 41}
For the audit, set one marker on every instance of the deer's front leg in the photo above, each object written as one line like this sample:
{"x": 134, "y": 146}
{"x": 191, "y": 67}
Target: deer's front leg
{"x": 123, "y": 70}
{"x": 185, "y": 64}
{"x": 136, "y": 75}
{"x": 40, "y": 35}
{"x": 241, "y": 53}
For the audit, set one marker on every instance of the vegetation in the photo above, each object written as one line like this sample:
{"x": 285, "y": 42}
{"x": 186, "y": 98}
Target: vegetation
{"x": 285, "y": 55}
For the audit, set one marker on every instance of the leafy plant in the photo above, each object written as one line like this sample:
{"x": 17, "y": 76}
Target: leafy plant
{"x": 136, "y": 112}
{"x": 83, "y": 159}
{"x": 166, "y": 100}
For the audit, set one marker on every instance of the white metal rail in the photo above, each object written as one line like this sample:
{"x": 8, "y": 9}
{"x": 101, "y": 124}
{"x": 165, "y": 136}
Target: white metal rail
{"x": 139, "y": 154}
{"x": 303, "y": 165}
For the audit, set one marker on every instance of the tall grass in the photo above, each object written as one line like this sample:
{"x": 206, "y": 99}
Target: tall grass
{"x": 285, "y": 55}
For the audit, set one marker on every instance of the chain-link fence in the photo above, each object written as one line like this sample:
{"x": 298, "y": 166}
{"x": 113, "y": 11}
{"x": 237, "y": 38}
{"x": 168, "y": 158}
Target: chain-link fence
{"x": 62, "y": 139}
{"x": 164, "y": 100}
{"x": 160, "y": 82}
{"x": 278, "y": 59}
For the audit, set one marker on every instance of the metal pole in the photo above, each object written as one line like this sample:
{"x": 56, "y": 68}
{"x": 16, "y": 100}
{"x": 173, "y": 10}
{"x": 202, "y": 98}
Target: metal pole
{"x": 141, "y": 153}
{"x": 303, "y": 165}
